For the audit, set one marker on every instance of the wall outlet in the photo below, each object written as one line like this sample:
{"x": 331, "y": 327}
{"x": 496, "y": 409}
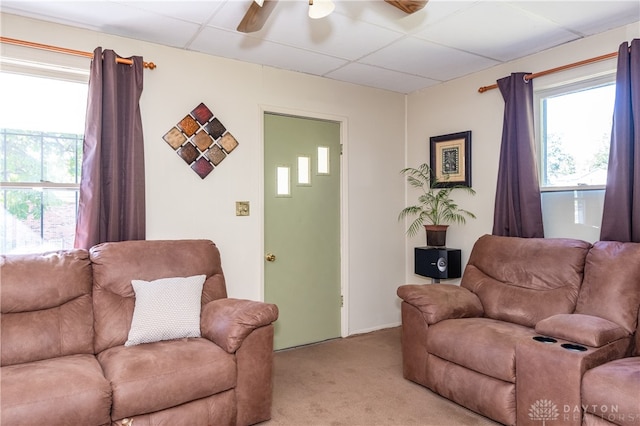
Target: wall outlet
{"x": 242, "y": 208}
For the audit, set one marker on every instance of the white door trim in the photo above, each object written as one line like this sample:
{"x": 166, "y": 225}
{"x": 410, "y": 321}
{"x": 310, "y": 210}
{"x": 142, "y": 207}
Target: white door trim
{"x": 344, "y": 210}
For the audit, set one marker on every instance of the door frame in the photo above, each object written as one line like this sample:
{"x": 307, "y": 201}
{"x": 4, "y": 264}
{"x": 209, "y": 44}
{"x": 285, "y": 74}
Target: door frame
{"x": 344, "y": 240}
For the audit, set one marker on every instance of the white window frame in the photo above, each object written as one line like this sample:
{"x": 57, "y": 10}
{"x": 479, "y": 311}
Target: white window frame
{"x": 561, "y": 88}
{"x": 49, "y": 66}
{"x": 570, "y": 211}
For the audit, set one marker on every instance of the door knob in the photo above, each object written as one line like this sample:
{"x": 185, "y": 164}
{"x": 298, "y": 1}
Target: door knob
{"x": 270, "y": 257}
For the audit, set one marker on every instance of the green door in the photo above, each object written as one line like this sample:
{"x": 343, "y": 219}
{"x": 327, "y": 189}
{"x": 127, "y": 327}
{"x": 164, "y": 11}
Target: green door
{"x": 302, "y": 227}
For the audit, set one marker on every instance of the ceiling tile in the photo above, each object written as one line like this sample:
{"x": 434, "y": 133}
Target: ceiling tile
{"x": 112, "y": 18}
{"x": 230, "y": 13}
{"x": 426, "y": 59}
{"x": 198, "y": 12}
{"x": 368, "y": 75}
{"x": 585, "y": 17}
{"x": 497, "y": 30}
{"x": 249, "y": 49}
{"x": 385, "y": 15}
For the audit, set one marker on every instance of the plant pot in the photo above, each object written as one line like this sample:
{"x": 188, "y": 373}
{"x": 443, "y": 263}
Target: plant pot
{"x": 436, "y": 235}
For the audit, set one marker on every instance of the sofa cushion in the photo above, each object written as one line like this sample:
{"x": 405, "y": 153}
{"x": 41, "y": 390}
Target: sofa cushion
{"x": 154, "y": 376}
{"x": 62, "y": 390}
{"x": 218, "y": 409}
{"x": 46, "y": 306}
{"x": 116, "y": 264}
{"x": 584, "y": 329}
{"x": 610, "y": 391}
{"x": 611, "y": 287}
{"x": 524, "y": 280}
{"x": 481, "y": 344}
{"x": 165, "y": 309}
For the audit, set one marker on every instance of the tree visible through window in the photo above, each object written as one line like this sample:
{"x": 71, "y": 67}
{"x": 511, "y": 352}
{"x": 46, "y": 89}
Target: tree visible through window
{"x": 41, "y": 125}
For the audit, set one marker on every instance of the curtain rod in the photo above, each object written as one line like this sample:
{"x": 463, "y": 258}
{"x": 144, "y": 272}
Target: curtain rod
{"x": 553, "y": 70}
{"x": 50, "y": 48}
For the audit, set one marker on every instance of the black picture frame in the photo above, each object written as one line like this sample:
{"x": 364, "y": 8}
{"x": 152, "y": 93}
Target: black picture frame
{"x": 450, "y": 159}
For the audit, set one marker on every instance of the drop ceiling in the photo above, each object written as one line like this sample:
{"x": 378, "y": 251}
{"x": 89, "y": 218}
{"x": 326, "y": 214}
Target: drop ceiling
{"x": 363, "y": 42}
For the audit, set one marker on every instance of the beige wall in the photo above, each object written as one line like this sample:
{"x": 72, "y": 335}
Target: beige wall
{"x": 382, "y": 131}
{"x": 457, "y": 106}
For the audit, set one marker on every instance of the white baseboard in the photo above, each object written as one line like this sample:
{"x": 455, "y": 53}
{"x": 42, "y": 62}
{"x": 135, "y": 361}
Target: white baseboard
{"x": 376, "y": 328}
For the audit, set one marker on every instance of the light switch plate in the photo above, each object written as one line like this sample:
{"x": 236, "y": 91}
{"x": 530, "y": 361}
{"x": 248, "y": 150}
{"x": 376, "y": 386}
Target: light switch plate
{"x": 242, "y": 208}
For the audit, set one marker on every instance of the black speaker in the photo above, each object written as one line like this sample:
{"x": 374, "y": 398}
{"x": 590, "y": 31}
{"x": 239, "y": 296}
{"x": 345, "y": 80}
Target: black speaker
{"x": 438, "y": 262}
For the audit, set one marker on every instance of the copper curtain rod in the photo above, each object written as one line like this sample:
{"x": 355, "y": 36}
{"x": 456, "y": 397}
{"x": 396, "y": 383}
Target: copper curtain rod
{"x": 560, "y": 68}
{"x": 17, "y": 42}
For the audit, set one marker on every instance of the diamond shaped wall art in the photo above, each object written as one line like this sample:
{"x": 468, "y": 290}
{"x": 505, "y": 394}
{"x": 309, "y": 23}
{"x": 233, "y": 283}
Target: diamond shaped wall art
{"x": 201, "y": 140}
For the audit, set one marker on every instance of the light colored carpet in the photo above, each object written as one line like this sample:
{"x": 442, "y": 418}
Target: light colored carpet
{"x": 357, "y": 381}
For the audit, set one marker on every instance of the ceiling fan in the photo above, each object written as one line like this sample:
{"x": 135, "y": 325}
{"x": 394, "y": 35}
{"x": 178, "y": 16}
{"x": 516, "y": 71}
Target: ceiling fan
{"x": 259, "y": 11}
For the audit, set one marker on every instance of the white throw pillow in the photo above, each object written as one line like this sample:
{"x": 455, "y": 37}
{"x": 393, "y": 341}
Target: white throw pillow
{"x": 165, "y": 309}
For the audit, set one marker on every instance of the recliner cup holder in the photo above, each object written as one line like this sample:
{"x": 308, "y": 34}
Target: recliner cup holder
{"x": 544, "y": 339}
{"x": 574, "y": 348}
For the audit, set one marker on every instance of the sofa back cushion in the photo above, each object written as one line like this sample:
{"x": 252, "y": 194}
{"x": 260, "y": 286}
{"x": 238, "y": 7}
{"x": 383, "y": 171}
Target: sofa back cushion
{"x": 116, "y": 264}
{"x": 46, "y": 306}
{"x": 611, "y": 287}
{"x": 525, "y": 280}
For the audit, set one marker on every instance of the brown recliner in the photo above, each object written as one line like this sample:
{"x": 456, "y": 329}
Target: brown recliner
{"x": 221, "y": 378}
{"x": 474, "y": 343}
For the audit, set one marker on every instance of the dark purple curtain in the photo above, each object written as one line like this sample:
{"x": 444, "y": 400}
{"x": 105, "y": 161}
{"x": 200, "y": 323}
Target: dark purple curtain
{"x": 518, "y": 209}
{"x": 112, "y": 187}
{"x": 621, "y": 213}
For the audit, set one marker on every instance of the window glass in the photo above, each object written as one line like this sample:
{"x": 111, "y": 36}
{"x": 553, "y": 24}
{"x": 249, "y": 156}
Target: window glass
{"x": 573, "y": 138}
{"x": 575, "y": 135}
{"x": 304, "y": 171}
{"x": 41, "y": 131}
{"x": 323, "y": 160}
{"x": 283, "y": 181}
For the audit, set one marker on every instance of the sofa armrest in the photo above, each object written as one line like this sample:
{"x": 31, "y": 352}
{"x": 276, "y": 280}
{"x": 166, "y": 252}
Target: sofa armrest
{"x": 438, "y": 302}
{"x": 227, "y": 322}
{"x": 579, "y": 328}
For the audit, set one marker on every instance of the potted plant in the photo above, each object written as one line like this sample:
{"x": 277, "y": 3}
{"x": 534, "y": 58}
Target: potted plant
{"x": 435, "y": 208}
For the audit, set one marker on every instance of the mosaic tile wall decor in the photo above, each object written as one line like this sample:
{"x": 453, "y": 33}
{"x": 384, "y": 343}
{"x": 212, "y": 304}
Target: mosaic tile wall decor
{"x": 201, "y": 140}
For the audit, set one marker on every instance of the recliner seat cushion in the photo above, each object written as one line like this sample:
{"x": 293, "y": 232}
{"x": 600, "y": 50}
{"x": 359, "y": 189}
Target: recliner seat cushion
{"x": 611, "y": 391}
{"x": 154, "y": 376}
{"x": 481, "y": 344}
{"x": 63, "y": 390}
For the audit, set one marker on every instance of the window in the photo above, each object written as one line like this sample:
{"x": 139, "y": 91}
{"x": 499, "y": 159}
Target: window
{"x": 575, "y": 135}
{"x": 573, "y": 138}
{"x": 41, "y": 131}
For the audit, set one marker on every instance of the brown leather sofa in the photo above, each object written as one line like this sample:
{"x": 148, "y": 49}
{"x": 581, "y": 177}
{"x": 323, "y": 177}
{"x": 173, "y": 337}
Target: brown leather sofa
{"x": 66, "y": 317}
{"x": 529, "y": 318}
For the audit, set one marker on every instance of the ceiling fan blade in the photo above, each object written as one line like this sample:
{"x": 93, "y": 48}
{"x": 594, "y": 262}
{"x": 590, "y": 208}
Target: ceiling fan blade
{"x": 408, "y": 6}
{"x": 256, "y": 16}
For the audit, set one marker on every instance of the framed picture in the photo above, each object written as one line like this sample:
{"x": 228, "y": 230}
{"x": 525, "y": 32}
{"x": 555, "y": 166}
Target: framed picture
{"x": 451, "y": 159}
